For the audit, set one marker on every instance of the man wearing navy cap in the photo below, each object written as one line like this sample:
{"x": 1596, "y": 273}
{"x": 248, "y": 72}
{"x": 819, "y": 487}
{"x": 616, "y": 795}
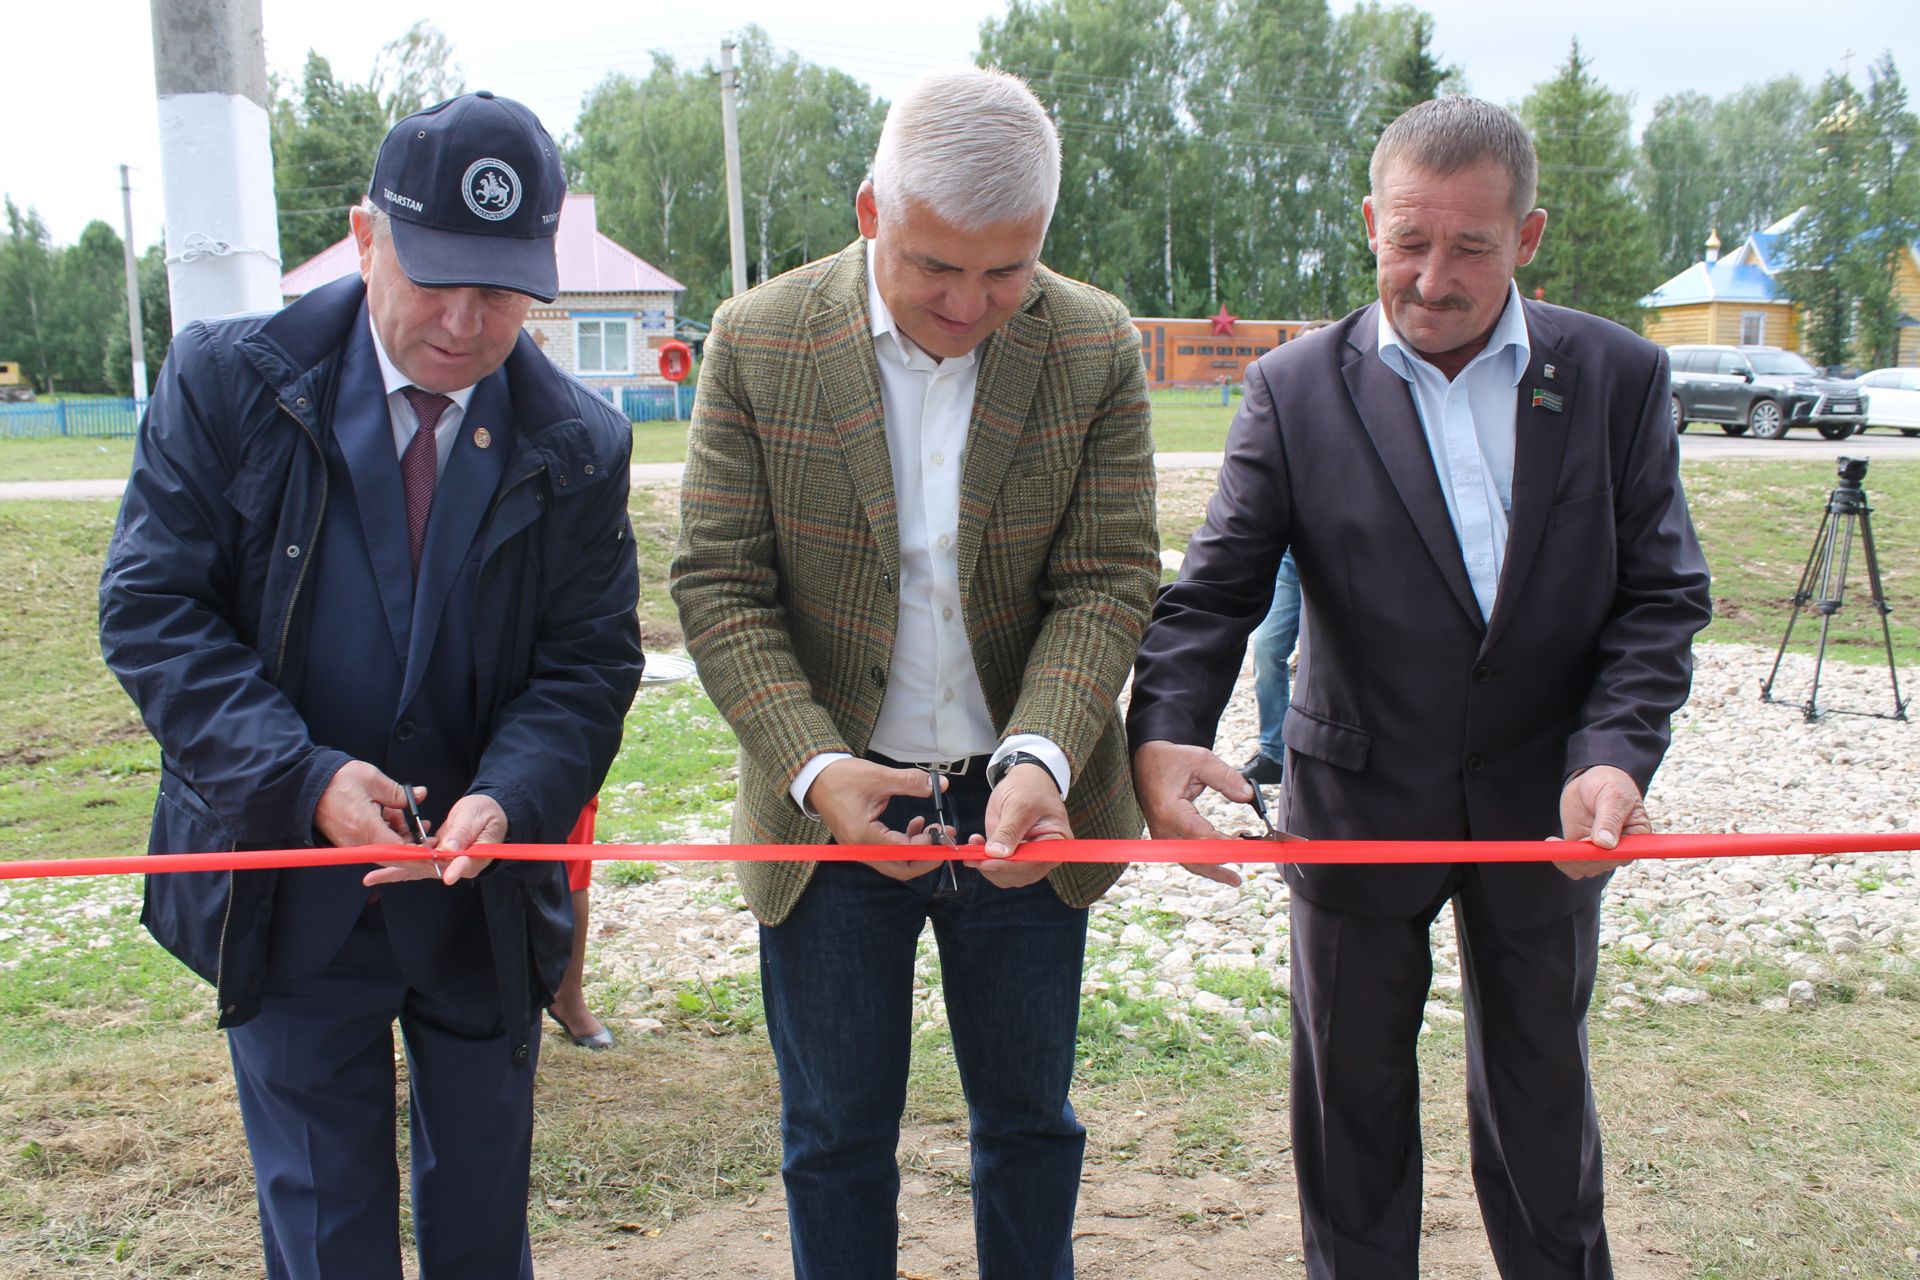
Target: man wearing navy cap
{"x": 373, "y": 542}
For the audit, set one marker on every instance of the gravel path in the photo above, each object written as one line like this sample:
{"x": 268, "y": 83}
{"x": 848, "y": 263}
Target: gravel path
{"x": 1737, "y": 764}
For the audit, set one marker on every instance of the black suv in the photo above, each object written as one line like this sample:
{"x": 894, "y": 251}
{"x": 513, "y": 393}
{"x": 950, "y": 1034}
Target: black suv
{"x": 1762, "y": 388}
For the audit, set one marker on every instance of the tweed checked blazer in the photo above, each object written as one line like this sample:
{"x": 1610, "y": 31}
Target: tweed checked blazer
{"x": 788, "y": 565}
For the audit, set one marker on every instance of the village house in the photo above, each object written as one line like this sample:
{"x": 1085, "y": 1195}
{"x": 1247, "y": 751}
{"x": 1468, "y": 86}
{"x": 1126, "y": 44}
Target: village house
{"x": 606, "y": 326}
{"x": 1738, "y": 298}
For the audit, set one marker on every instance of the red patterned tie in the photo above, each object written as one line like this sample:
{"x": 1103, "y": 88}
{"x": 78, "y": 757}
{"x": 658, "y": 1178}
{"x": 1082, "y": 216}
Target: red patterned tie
{"x": 420, "y": 466}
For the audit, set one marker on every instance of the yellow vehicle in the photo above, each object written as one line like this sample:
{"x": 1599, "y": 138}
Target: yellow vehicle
{"x": 14, "y": 384}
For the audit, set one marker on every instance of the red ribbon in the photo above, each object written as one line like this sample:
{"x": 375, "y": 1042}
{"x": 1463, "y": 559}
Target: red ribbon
{"x": 1316, "y": 852}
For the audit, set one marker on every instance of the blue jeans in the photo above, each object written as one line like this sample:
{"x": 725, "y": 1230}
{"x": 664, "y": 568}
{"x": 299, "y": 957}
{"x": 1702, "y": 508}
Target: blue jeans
{"x": 1273, "y": 644}
{"x": 837, "y": 978}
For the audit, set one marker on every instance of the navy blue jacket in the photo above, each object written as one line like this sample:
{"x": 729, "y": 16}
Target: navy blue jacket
{"x": 207, "y": 620}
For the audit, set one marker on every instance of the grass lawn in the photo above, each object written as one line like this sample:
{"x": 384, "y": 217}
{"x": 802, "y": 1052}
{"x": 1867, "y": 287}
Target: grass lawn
{"x": 1766, "y": 1144}
{"x": 72, "y": 458}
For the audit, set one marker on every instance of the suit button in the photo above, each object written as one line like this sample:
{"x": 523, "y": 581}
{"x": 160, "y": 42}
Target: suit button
{"x": 1475, "y": 764}
{"x": 878, "y": 675}
{"x": 405, "y": 730}
{"x": 1482, "y": 671}
{"x": 886, "y": 581}
{"x": 520, "y": 1055}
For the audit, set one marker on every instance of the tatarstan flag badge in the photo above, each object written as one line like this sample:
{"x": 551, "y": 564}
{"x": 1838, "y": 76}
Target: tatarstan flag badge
{"x": 1551, "y": 401}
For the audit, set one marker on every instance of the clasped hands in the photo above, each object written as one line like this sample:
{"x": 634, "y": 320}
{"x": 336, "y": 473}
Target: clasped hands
{"x": 851, "y": 795}
{"x": 362, "y": 806}
{"x": 1599, "y": 805}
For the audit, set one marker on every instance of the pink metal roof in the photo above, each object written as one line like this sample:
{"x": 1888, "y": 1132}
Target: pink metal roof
{"x": 323, "y": 267}
{"x": 589, "y": 261}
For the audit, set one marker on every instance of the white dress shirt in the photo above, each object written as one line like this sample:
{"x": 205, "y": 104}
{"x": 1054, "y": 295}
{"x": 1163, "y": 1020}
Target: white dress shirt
{"x": 405, "y": 423}
{"x": 1469, "y": 423}
{"x": 934, "y": 710}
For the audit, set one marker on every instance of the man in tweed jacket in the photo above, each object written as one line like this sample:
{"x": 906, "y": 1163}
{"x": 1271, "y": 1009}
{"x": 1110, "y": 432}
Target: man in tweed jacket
{"x": 917, "y": 554}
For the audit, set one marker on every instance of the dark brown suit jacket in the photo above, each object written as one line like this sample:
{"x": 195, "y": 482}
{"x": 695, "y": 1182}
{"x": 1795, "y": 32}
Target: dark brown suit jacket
{"x": 1411, "y": 718}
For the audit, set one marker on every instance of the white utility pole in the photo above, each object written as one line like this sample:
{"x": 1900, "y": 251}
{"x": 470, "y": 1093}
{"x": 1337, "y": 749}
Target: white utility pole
{"x": 135, "y": 336}
{"x": 730, "y": 135}
{"x": 216, "y": 163}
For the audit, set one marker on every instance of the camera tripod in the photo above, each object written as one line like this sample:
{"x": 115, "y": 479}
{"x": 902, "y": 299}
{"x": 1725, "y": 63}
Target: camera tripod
{"x": 1823, "y": 585}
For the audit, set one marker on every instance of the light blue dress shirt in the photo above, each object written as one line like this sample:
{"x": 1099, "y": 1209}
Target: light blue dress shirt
{"x": 1469, "y": 424}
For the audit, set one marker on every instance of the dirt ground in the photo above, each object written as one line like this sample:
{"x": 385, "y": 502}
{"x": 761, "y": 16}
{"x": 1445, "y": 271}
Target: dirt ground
{"x": 1137, "y": 1221}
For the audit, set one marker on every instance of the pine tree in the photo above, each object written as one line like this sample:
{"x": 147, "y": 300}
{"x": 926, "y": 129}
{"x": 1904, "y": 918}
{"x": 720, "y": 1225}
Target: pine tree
{"x": 1890, "y": 171}
{"x": 1597, "y": 255}
{"x": 1822, "y": 246}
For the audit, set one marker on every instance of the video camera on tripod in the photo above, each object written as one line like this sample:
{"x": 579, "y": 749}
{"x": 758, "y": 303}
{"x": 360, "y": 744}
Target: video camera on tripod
{"x": 1823, "y": 585}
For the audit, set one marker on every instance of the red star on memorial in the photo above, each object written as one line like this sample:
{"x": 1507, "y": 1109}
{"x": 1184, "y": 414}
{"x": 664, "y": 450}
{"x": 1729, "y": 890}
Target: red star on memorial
{"x": 1222, "y": 323}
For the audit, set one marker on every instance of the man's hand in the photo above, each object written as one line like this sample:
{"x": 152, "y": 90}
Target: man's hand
{"x": 474, "y": 820}
{"x": 1168, "y": 777}
{"x": 850, "y": 795}
{"x": 362, "y": 805}
{"x": 1025, "y": 806}
{"x": 1600, "y": 804}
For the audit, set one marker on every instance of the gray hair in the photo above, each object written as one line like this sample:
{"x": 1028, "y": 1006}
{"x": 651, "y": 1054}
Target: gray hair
{"x": 1445, "y": 135}
{"x": 382, "y": 220}
{"x": 974, "y": 146}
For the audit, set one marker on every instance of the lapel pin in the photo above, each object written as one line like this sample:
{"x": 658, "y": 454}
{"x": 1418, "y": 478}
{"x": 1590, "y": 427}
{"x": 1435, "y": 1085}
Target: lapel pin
{"x": 483, "y": 438}
{"x": 1546, "y": 371}
{"x": 1547, "y": 400}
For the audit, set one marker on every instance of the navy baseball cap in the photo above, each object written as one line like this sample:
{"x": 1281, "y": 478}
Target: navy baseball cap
{"x": 474, "y": 187}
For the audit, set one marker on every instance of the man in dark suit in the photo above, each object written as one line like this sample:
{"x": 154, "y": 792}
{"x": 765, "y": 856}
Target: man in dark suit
{"x": 376, "y": 541}
{"x": 1502, "y": 584}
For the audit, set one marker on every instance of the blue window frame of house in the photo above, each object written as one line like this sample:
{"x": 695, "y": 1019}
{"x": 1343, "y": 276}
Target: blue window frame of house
{"x": 603, "y": 345}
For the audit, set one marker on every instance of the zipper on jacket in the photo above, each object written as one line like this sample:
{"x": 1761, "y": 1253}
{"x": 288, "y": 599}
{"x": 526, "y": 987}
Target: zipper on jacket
{"x": 279, "y": 665}
{"x": 300, "y": 579}
{"x": 506, "y": 492}
{"x": 220, "y": 955}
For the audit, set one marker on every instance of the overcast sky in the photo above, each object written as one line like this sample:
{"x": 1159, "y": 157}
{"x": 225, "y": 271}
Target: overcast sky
{"x": 81, "y": 103}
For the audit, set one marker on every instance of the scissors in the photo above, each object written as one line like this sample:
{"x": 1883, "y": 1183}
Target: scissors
{"x": 1259, "y": 805}
{"x": 944, "y": 825}
{"x": 419, "y": 826}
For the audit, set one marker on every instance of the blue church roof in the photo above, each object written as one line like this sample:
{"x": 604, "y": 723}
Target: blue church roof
{"x": 1745, "y": 275}
{"x": 1732, "y": 279}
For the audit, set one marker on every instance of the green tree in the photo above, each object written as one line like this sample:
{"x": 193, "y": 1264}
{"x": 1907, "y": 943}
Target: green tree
{"x": 26, "y": 294}
{"x": 1110, "y": 75}
{"x": 1677, "y": 153}
{"x": 650, "y": 152}
{"x": 1596, "y": 255}
{"x": 1727, "y": 165}
{"x": 1759, "y": 135}
{"x": 415, "y": 69}
{"x": 1387, "y": 64}
{"x": 807, "y": 136}
{"x": 1822, "y": 245}
{"x": 90, "y": 286}
{"x": 1890, "y": 173}
{"x": 156, "y": 327}
{"x": 326, "y": 132}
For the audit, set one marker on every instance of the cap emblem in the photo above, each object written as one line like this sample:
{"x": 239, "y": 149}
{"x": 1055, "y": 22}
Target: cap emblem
{"x": 491, "y": 189}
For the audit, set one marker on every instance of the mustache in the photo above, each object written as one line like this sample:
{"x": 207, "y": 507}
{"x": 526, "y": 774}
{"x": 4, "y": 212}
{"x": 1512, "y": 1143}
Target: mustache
{"x": 1451, "y": 302}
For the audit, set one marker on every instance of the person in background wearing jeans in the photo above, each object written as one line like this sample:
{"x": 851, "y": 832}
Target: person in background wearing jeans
{"x": 1272, "y": 645}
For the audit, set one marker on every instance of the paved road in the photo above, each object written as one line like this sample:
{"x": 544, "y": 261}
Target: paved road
{"x": 1699, "y": 443}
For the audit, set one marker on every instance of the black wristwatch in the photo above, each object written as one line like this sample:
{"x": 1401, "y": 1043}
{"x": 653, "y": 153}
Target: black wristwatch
{"x": 998, "y": 769}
